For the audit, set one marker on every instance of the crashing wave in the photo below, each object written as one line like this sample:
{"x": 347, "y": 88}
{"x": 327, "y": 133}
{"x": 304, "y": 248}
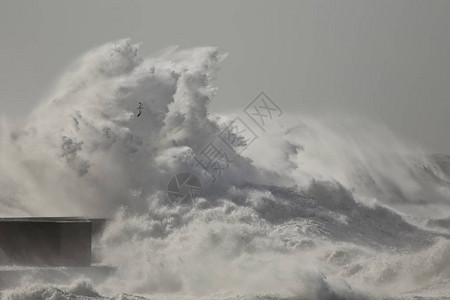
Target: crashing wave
{"x": 332, "y": 208}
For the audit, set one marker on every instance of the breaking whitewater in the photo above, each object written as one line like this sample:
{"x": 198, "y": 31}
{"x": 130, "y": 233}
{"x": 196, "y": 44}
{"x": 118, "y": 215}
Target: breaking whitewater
{"x": 315, "y": 208}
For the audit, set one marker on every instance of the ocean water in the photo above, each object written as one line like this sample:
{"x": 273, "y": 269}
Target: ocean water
{"x": 316, "y": 207}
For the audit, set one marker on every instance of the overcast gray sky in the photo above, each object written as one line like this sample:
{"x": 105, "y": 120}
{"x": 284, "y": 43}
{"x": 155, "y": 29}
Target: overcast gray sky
{"x": 387, "y": 60}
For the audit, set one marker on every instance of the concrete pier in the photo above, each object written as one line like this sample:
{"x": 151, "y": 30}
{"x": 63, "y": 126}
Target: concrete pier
{"x": 47, "y": 241}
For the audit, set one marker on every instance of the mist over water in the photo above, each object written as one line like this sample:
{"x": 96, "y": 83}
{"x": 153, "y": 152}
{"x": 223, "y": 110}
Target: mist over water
{"x": 316, "y": 208}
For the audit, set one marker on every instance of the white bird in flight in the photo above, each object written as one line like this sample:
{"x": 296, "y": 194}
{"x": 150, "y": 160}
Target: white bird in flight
{"x": 139, "y": 108}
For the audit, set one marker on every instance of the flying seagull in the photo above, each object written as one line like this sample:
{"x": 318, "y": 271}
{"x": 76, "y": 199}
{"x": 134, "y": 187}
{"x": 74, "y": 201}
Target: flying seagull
{"x": 139, "y": 108}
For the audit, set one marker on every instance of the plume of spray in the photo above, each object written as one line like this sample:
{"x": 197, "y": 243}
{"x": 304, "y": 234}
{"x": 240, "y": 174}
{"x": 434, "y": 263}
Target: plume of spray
{"x": 84, "y": 152}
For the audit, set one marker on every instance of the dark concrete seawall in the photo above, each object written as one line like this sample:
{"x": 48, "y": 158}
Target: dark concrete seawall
{"x": 65, "y": 241}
